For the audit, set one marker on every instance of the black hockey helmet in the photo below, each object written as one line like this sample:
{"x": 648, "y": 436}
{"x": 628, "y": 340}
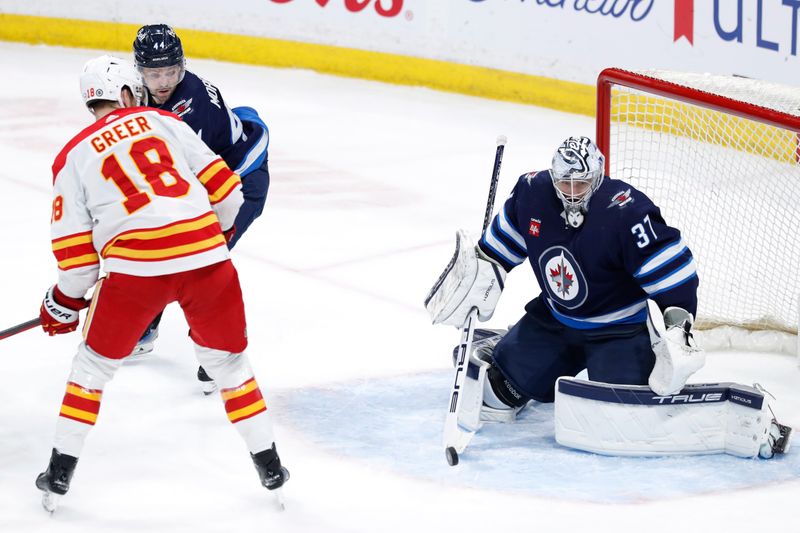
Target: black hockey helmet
{"x": 157, "y": 45}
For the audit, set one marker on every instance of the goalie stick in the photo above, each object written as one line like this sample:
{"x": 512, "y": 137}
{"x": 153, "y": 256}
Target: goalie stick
{"x": 19, "y": 328}
{"x": 455, "y": 439}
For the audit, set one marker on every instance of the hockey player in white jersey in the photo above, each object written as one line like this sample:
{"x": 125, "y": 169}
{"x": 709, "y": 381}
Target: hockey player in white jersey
{"x": 600, "y": 250}
{"x": 139, "y": 191}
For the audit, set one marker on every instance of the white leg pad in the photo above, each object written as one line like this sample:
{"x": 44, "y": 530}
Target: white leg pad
{"x": 634, "y": 421}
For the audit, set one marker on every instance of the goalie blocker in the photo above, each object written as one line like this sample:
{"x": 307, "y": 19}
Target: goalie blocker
{"x": 632, "y": 420}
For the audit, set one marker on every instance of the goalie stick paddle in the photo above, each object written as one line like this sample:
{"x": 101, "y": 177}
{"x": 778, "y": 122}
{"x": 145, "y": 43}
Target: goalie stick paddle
{"x": 19, "y": 328}
{"x": 455, "y": 439}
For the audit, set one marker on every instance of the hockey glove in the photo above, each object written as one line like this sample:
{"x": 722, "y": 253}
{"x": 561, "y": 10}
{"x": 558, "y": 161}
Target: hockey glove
{"x": 471, "y": 280}
{"x": 677, "y": 355}
{"x": 59, "y": 312}
{"x": 229, "y": 233}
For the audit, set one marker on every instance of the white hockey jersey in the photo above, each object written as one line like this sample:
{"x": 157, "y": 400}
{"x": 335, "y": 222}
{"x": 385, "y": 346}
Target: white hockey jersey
{"x": 139, "y": 189}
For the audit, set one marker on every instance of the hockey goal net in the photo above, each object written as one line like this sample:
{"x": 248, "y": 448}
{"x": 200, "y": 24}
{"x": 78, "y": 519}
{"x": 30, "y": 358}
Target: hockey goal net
{"x": 720, "y": 156}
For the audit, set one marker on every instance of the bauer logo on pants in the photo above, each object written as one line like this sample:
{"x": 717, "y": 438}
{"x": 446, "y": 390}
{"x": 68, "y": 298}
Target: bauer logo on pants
{"x": 563, "y": 278}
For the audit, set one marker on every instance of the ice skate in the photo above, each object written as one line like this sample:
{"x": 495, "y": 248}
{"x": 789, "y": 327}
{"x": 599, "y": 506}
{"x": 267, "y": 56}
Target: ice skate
{"x": 54, "y": 482}
{"x": 273, "y": 476}
{"x": 148, "y": 339}
{"x": 207, "y": 384}
{"x": 146, "y": 343}
{"x": 484, "y": 340}
{"x": 779, "y": 440}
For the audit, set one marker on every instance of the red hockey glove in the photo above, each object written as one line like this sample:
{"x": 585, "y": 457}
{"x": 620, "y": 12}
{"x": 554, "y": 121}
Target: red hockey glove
{"x": 59, "y": 312}
{"x": 229, "y": 234}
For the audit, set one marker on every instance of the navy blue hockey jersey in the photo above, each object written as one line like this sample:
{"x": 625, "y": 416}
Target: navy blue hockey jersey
{"x": 239, "y": 137}
{"x": 603, "y": 272}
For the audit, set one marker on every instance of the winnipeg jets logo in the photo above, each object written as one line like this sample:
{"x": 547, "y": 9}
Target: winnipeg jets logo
{"x": 562, "y": 276}
{"x": 621, "y": 199}
{"x": 182, "y": 107}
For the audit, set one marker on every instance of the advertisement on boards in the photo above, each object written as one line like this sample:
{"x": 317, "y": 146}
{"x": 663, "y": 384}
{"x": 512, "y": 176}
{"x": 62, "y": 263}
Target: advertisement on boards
{"x": 565, "y": 39}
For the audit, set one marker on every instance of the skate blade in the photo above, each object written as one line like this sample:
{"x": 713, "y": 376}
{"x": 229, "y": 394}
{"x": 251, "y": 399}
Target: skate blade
{"x": 279, "y": 498}
{"x": 50, "y": 501}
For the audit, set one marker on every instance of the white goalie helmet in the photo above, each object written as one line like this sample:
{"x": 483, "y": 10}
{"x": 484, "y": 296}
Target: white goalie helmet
{"x": 104, "y": 77}
{"x": 577, "y": 171}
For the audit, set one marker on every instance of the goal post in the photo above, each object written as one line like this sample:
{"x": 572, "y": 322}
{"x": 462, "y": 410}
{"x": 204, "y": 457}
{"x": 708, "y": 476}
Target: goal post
{"x": 720, "y": 156}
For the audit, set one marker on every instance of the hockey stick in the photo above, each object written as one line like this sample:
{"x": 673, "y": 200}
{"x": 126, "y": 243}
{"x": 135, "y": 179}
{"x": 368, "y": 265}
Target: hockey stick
{"x": 455, "y": 439}
{"x": 19, "y": 328}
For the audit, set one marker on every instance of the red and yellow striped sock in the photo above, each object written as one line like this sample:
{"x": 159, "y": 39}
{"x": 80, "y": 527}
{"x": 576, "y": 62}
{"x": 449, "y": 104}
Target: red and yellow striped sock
{"x": 243, "y": 401}
{"x": 81, "y": 404}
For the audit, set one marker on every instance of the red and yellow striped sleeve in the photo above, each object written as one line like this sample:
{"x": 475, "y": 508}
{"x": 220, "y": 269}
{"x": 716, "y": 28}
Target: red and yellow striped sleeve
{"x": 80, "y": 404}
{"x": 179, "y": 239}
{"x": 74, "y": 251}
{"x": 244, "y": 401}
{"x": 218, "y": 180}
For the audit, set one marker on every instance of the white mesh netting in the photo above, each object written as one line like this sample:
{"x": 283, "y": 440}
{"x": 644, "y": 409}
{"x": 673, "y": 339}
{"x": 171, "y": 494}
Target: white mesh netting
{"x": 730, "y": 184}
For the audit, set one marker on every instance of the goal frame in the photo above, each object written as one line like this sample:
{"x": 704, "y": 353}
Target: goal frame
{"x": 615, "y": 76}
{"x": 610, "y": 77}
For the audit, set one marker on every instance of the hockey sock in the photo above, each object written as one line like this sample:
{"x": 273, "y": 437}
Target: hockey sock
{"x": 81, "y": 403}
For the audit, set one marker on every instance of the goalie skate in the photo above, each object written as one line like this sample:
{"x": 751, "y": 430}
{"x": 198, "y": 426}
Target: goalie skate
{"x": 779, "y": 440}
{"x": 474, "y": 411}
{"x": 483, "y": 338}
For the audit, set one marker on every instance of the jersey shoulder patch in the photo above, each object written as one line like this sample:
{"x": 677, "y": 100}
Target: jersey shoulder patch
{"x": 621, "y": 198}
{"x": 535, "y": 178}
{"x": 617, "y": 195}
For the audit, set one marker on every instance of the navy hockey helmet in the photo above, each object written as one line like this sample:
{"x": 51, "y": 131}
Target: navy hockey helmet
{"x": 157, "y": 45}
{"x": 577, "y": 171}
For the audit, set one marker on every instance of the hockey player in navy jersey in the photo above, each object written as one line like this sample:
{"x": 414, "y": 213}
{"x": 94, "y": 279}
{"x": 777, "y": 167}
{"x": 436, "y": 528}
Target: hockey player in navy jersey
{"x": 600, "y": 250}
{"x": 238, "y": 135}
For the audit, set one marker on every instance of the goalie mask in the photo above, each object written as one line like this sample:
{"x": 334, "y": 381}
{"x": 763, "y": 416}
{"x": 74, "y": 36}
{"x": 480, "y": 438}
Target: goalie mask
{"x": 577, "y": 171}
{"x": 104, "y": 77}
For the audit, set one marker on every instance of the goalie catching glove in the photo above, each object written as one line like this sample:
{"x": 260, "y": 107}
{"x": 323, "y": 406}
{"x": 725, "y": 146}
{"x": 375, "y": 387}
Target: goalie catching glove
{"x": 677, "y": 354}
{"x": 59, "y": 312}
{"x": 470, "y": 280}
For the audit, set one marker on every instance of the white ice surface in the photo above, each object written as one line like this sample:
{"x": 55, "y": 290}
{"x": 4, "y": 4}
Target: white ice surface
{"x": 369, "y": 183}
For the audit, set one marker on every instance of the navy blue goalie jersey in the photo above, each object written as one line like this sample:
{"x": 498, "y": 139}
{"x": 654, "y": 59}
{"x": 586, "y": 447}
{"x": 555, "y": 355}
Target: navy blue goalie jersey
{"x": 603, "y": 272}
{"x": 239, "y": 136}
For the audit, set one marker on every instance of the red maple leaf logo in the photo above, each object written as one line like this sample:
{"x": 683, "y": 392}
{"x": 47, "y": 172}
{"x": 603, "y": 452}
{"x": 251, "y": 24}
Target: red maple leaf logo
{"x": 562, "y": 279}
